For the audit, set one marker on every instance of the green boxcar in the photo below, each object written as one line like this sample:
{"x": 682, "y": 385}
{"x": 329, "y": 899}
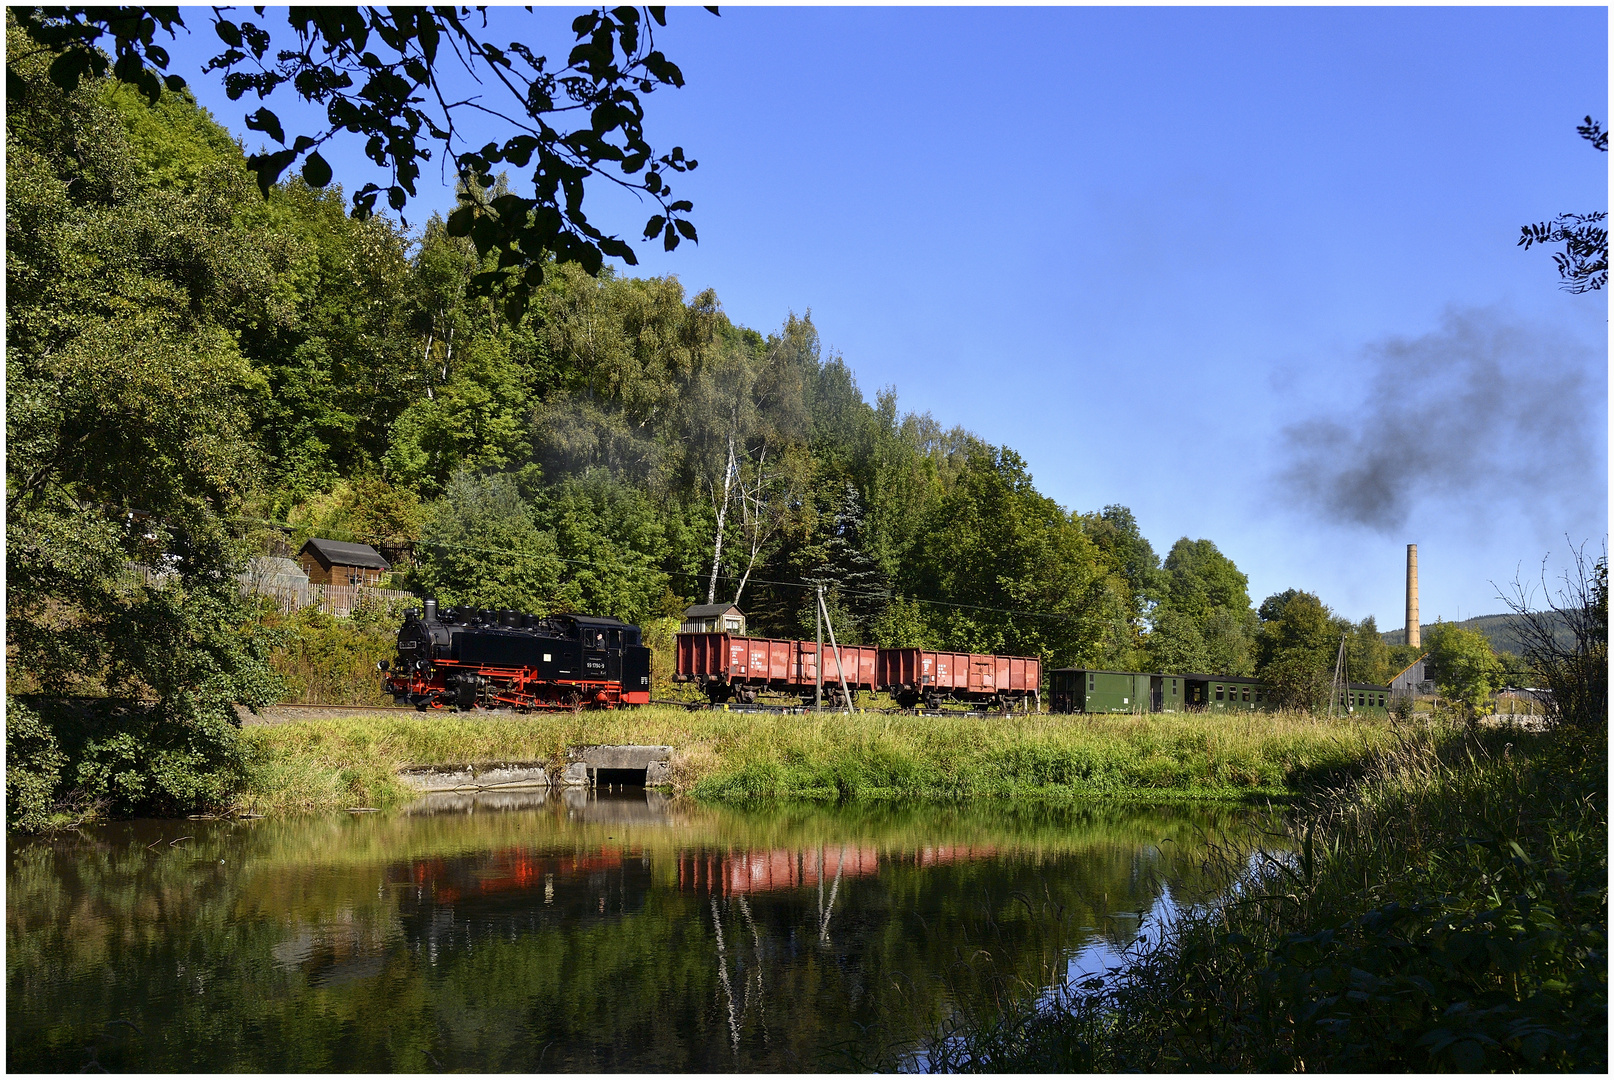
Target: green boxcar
{"x": 1078, "y": 690}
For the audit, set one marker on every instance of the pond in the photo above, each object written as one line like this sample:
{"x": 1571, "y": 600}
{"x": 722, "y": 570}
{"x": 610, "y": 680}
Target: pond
{"x": 569, "y": 931}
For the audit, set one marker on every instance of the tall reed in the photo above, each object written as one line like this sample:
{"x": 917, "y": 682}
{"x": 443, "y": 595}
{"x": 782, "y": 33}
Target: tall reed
{"x": 1447, "y": 910}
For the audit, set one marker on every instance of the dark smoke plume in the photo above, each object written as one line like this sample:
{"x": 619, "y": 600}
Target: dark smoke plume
{"x": 1479, "y": 413}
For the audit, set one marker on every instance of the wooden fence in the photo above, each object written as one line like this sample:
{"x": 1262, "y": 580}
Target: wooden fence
{"x": 338, "y": 600}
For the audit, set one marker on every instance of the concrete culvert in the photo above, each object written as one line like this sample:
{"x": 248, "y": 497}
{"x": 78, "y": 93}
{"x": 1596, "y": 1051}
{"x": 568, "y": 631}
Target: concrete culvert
{"x": 622, "y": 766}
{"x": 619, "y": 778}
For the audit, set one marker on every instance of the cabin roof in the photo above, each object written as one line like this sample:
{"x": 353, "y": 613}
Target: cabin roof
{"x": 1409, "y": 667}
{"x": 342, "y": 553}
{"x": 707, "y": 611}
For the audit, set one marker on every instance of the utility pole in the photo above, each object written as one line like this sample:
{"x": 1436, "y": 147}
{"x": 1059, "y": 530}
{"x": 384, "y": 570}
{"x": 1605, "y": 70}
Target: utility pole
{"x": 1340, "y": 672}
{"x": 818, "y": 657}
{"x": 823, "y": 612}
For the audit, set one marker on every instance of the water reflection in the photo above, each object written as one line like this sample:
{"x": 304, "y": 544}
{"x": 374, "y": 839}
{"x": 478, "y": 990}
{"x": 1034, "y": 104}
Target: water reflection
{"x": 546, "y": 930}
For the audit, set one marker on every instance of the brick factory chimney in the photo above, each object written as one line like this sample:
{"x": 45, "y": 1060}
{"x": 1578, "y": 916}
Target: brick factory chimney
{"x": 1414, "y": 638}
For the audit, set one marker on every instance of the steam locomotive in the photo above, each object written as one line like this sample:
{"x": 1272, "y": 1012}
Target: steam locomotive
{"x": 466, "y": 658}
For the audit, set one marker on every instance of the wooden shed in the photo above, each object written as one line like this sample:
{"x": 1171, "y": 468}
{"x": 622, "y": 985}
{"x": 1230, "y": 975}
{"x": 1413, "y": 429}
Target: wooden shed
{"x": 337, "y": 562}
{"x": 713, "y": 619}
{"x": 1414, "y": 679}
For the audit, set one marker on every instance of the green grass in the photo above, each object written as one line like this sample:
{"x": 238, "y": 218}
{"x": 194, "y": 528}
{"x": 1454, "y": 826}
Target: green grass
{"x": 747, "y": 759}
{"x": 1446, "y": 911}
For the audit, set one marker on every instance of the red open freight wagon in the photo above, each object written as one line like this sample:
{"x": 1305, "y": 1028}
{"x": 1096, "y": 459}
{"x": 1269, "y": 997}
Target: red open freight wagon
{"x": 923, "y": 676}
{"x": 729, "y": 667}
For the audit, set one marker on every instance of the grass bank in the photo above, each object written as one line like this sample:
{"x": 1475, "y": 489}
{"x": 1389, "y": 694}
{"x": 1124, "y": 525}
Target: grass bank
{"x": 745, "y": 759}
{"x": 1446, "y": 911}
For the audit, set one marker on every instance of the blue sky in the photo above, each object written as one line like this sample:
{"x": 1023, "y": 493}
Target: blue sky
{"x": 1251, "y": 272}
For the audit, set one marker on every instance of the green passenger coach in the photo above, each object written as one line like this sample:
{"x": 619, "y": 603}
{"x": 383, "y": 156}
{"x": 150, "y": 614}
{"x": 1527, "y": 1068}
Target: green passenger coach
{"x": 1238, "y": 693}
{"x": 1225, "y": 693}
{"x": 1078, "y": 690}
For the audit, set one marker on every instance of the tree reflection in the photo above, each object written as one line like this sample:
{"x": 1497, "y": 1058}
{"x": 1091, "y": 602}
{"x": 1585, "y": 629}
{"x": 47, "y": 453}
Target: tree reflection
{"x": 563, "y": 938}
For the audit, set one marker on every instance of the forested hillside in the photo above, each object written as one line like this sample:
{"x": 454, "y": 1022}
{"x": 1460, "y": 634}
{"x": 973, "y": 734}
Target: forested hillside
{"x": 198, "y": 374}
{"x": 1502, "y": 631}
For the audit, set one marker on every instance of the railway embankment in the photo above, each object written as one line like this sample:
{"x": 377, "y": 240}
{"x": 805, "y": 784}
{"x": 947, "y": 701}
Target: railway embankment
{"x": 311, "y": 760}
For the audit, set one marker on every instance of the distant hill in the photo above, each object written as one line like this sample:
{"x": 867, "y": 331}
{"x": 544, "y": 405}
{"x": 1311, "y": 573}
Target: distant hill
{"x": 1501, "y": 630}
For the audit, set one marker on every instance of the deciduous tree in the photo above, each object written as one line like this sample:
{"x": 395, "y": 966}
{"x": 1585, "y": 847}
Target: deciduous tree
{"x": 390, "y": 77}
{"x": 1296, "y": 645}
{"x": 1465, "y": 667}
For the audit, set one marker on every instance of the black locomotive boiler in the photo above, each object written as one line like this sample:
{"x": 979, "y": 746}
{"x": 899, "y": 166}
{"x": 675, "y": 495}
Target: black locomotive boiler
{"x": 466, "y": 658}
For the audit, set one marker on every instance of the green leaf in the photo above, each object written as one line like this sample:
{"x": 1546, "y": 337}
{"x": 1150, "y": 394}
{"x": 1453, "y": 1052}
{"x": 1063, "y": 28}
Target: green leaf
{"x": 1467, "y": 1055}
{"x": 268, "y": 167}
{"x": 460, "y": 221}
{"x": 316, "y": 170}
{"x": 267, "y": 122}
{"x": 67, "y": 69}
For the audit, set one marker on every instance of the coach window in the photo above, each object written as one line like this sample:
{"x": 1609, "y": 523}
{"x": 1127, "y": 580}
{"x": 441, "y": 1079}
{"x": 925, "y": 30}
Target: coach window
{"x": 1218, "y": 691}
{"x": 1246, "y": 693}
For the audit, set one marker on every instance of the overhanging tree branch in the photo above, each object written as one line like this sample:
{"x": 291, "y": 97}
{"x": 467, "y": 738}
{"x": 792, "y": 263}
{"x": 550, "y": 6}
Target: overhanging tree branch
{"x": 1583, "y": 262}
{"x": 379, "y": 74}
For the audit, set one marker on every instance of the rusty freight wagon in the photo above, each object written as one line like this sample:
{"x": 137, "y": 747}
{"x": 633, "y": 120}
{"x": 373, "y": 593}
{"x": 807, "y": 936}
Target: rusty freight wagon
{"x": 733, "y": 668}
{"x": 920, "y": 676}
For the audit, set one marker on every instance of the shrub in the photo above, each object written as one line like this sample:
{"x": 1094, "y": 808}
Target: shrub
{"x": 1447, "y": 912}
{"x": 1566, "y": 643}
{"x": 34, "y": 764}
{"x": 326, "y": 660}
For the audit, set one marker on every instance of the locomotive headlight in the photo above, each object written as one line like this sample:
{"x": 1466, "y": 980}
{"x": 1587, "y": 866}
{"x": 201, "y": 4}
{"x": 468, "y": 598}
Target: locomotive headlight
{"x": 382, "y": 665}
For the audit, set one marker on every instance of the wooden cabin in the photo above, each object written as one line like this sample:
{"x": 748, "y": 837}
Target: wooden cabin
{"x": 337, "y": 562}
{"x": 713, "y": 619}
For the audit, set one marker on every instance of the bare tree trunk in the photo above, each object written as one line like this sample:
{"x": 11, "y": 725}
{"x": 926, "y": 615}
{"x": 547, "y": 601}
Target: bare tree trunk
{"x": 431, "y": 339}
{"x": 755, "y": 526}
{"x": 722, "y": 516}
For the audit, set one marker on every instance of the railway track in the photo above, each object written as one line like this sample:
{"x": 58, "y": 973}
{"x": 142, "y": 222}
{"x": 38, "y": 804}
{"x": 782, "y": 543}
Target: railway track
{"x": 754, "y": 708}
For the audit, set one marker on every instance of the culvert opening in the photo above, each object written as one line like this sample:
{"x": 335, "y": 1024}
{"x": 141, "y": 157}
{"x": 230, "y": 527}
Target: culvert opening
{"x": 619, "y": 778}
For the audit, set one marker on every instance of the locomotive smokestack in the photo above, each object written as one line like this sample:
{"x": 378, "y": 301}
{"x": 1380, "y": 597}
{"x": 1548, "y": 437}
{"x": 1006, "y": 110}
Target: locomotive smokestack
{"x": 1414, "y": 638}
{"x": 431, "y": 611}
